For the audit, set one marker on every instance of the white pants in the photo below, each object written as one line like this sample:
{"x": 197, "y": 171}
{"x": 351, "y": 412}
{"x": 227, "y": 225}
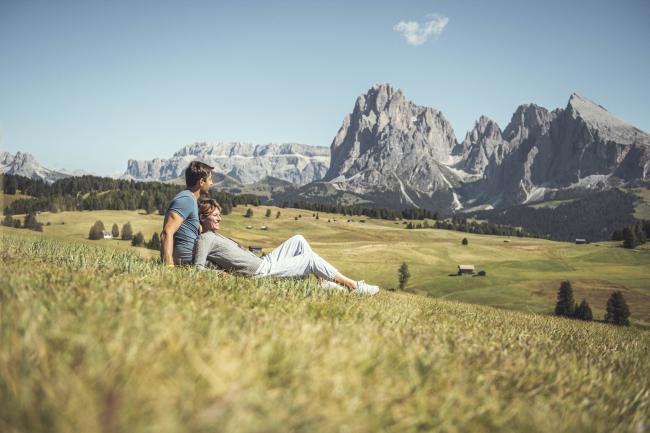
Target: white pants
{"x": 295, "y": 258}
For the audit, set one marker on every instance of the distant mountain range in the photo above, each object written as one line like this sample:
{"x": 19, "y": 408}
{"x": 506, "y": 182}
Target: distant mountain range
{"x": 390, "y": 152}
{"x": 246, "y": 163}
{"x": 24, "y": 164}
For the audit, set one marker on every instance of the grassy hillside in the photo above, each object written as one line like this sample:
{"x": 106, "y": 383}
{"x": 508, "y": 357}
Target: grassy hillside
{"x": 522, "y": 274}
{"x": 96, "y": 339}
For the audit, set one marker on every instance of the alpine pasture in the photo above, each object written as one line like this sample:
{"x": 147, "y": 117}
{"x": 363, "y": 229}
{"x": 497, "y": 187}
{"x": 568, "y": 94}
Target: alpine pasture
{"x": 101, "y": 339}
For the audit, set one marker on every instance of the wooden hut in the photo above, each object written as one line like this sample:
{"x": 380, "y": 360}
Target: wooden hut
{"x": 465, "y": 269}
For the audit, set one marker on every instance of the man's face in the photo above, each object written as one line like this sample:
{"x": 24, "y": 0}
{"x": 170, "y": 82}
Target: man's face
{"x": 213, "y": 221}
{"x": 206, "y": 183}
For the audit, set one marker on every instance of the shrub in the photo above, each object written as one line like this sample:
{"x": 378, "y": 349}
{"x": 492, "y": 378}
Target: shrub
{"x": 96, "y": 231}
{"x": 115, "y": 231}
{"x": 403, "y": 275}
{"x": 618, "y": 312}
{"x": 277, "y": 215}
{"x": 565, "y": 305}
{"x": 464, "y": 241}
{"x": 268, "y": 213}
{"x": 249, "y": 213}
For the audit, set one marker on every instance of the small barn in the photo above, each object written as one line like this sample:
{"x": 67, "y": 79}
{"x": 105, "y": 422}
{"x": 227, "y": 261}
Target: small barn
{"x": 581, "y": 241}
{"x": 465, "y": 269}
{"x": 255, "y": 249}
{"x": 264, "y": 228}
{"x": 107, "y": 234}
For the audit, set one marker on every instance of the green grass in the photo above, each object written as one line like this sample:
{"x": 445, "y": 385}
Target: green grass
{"x": 523, "y": 274}
{"x": 98, "y": 339}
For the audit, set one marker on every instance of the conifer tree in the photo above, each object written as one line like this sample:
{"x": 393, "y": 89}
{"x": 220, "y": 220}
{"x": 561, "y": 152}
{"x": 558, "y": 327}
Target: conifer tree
{"x": 465, "y": 241}
{"x": 249, "y": 213}
{"x": 8, "y": 221}
{"x": 277, "y": 215}
{"x": 96, "y": 231}
{"x": 154, "y": 243}
{"x": 629, "y": 238}
{"x": 127, "y": 232}
{"x": 565, "y": 304}
{"x": 268, "y": 213}
{"x": 403, "y": 275}
{"x": 138, "y": 240}
{"x": 583, "y": 311}
{"x": 115, "y": 231}
{"x": 618, "y": 312}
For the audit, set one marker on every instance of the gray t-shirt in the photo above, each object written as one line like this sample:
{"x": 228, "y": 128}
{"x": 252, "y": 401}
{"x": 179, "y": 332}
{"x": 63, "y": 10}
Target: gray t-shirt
{"x": 225, "y": 254}
{"x": 186, "y": 206}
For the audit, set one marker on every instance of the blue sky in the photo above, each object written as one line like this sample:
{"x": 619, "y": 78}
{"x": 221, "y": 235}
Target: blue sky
{"x": 90, "y": 84}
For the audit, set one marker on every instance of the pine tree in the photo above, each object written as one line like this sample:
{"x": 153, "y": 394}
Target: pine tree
{"x": 115, "y": 231}
{"x": 565, "y": 304}
{"x": 465, "y": 241}
{"x": 127, "y": 232}
{"x": 618, "y": 312}
{"x": 96, "y": 231}
{"x": 629, "y": 238}
{"x": 639, "y": 232}
{"x": 8, "y": 221}
{"x": 583, "y": 311}
{"x": 268, "y": 213}
{"x": 249, "y": 213}
{"x": 277, "y": 215}
{"x": 154, "y": 243}
{"x": 403, "y": 275}
{"x": 138, "y": 240}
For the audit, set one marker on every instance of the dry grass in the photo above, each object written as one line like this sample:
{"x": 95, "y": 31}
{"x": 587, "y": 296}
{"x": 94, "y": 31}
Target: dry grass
{"x": 101, "y": 340}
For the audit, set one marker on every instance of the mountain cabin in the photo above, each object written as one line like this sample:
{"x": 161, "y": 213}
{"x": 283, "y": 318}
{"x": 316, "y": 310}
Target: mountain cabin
{"x": 465, "y": 269}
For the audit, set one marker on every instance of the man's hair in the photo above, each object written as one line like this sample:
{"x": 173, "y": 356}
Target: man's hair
{"x": 207, "y": 206}
{"x": 196, "y": 171}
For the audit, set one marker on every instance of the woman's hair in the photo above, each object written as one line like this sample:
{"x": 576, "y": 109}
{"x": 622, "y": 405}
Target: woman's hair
{"x": 207, "y": 206}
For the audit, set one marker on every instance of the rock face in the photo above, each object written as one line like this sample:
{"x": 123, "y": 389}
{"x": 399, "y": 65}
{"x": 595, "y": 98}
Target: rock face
{"x": 24, "y": 164}
{"x": 247, "y": 163}
{"x": 394, "y": 152}
{"x": 582, "y": 145}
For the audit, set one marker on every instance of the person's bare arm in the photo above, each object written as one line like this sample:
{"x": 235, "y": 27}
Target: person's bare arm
{"x": 172, "y": 223}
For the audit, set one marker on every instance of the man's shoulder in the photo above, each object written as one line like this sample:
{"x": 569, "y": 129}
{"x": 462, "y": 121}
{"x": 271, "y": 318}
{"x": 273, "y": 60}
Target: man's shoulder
{"x": 186, "y": 194}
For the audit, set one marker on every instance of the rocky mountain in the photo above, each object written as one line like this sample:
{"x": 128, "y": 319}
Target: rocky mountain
{"x": 394, "y": 153}
{"x": 582, "y": 146}
{"x": 244, "y": 162}
{"x": 24, "y": 164}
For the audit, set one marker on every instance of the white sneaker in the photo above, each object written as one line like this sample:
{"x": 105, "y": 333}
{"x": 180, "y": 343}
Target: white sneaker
{"x": 331, "y": 285}
{"x": 364, "y": 288}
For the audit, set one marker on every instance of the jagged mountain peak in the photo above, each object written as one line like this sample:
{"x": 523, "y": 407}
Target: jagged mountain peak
{"x": 597, "y": 117}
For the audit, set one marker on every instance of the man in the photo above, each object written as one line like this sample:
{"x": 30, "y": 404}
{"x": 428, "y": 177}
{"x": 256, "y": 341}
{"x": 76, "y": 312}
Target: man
{"x": 181, "y": 224}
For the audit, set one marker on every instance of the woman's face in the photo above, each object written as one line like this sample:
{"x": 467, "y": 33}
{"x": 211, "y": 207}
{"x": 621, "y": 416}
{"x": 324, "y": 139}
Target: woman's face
{"x": 213, "y": 220}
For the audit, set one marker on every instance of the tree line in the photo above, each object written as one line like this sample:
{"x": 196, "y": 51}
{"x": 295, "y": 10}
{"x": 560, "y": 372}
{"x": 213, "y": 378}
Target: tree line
{"x": 633, "y": 235}
{"x": 594, "y": 217}
{"x": 101, "y": 193}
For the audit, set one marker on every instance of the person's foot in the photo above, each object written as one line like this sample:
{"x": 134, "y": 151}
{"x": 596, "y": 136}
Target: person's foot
{"x": 364, "y": 288}
{"x": 331, "y": 285}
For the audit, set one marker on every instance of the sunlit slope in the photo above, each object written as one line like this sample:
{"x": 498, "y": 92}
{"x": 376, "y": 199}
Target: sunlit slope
{"x": 522, "y": 274}
{"x": 95, "y": 339}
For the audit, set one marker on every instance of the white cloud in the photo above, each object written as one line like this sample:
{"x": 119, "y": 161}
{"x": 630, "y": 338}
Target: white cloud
{"x": 417, "y": 33}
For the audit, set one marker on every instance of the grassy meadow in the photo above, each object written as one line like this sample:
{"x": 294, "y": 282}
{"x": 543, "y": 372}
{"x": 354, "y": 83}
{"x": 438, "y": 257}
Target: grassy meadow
{"x": 522, "y": 273}
{"x": 99, "y": 339}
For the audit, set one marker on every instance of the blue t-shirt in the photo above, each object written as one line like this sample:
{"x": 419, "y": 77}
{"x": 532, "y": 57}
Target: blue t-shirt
{"x": 186, "y": 206}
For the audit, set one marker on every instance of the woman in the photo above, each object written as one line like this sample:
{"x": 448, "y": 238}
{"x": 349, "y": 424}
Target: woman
{"x": 293, "y": 258}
